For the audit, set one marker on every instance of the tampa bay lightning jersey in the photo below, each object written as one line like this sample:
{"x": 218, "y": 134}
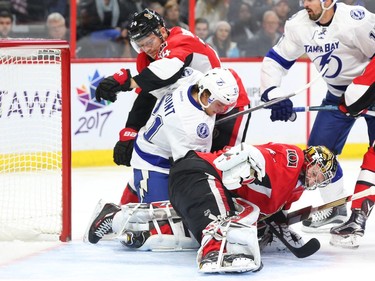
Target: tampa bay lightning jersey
{"x": 177, "y": 124}
{"x": 347, "y": 44}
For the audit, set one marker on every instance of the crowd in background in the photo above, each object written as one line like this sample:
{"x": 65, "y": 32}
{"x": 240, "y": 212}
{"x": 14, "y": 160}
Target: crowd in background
{"x": 234, "y": 28}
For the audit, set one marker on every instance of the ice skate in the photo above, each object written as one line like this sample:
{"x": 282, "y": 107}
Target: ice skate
{"x": 324, "y": 220}
{"x": 101, "y": 224}
{"x": 229, "y": 263}
{"x": 135, "y": 239}
{"x": 348, "y": 235}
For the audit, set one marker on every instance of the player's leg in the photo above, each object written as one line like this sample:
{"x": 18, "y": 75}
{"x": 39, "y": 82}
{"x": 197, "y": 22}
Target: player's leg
{"x": 348, "y": 234}
{"x": 152, "y": 226}
{"x": 230, "y": 243}
{"x": 204, "y": 204}
{"x": 129, "y": 194}
{"x": 331, "y": 129}
{"x": 151, "y": 186}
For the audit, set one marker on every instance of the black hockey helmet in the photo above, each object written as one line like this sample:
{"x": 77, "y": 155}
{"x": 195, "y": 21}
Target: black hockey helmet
{"x": 144, "y": 23}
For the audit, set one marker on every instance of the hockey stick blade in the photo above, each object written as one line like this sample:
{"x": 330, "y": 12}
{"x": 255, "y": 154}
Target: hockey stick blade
{"x": 309, "y": 248}
{"x": 304, "y": 213}
{"x": 271, "y": 102}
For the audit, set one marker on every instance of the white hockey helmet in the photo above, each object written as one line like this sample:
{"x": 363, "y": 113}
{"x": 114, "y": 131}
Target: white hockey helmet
{"x": 222, "y": 85}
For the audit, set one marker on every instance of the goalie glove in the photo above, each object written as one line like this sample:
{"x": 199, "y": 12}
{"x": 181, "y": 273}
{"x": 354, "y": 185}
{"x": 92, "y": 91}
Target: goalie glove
{"x": 110, "y": 86}
{"x": 238, "y": 175}
{"x": 123, "y": 150}
{"x": 246, "y": 161}
{"x": 283, "y": 110}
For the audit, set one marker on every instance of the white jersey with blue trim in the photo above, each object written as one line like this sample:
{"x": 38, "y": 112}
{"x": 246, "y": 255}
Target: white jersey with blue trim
{"x": 177, "y": 124}
{"x": 347, "y": 44}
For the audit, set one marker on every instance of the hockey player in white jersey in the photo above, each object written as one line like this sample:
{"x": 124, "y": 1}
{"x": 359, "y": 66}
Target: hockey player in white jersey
{"x": 181, "y": 121}
{"x": 342, "y": 37}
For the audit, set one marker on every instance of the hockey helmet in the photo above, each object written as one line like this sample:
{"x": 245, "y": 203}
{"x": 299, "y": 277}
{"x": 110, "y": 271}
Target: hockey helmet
{"x": 144, "y": 23}
{"x": 222, "y": 86}
{"x": 321, "y": 166}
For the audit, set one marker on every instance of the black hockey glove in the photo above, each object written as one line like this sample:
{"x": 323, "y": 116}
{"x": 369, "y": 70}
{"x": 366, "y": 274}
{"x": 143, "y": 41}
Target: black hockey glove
{"x": 282, "y": 110}
{"x": 110, "y": 86}
{"x": 123, "y": 150}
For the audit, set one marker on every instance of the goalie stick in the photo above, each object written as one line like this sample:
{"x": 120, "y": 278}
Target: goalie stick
{"x": 304, "y": 213}
{"x": 274, "y": 101}
{"x": 313, "y": 244}
{"x": 307, "y": 249}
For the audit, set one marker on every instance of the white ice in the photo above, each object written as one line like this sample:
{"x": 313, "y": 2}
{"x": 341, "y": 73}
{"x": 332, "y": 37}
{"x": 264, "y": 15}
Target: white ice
{"x": 110, "y": 261}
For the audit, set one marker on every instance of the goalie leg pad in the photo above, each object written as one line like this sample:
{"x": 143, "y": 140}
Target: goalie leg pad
{"x": 144, "y": 226}
{"x": 237, "y": 236}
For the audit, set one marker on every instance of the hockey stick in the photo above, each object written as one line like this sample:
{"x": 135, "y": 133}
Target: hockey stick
{"x": 274, "y": 101}
{"x": 371, "y": 110}
{"x": 304, "y": 213}
{"x": 307, "y": 249}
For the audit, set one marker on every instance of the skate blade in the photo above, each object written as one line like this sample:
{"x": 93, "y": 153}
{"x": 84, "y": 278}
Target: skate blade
{"x": 245, "y": 265}
{"x": 348, "y": 242}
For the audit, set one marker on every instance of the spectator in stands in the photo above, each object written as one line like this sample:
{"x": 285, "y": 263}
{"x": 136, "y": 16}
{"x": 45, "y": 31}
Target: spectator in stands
{"x": 221, "y": 41}
{"x": 172, "y": 15}
{"x": 202, "y": 28}
{"x": 261, "y": 6}
{"x": 157, "y": 6}
{"x": 212, "y": 10}
{"x": 370, "y": 5}
{"x": 282, "y": 9}
{"x": 126, "y": 50}
{"x": 245, "y": 25}
{"x": 99, "y": 29}
{"x": 6, "y": 21}
{"x": 59, "y": 6}
{"x": 264, "y": 39}
{"x": 352, "y": 2}
{"x": 56, "y": 27}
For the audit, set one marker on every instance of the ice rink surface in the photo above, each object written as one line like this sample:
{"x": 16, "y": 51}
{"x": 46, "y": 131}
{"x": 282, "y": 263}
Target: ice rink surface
{"x": 110, "y": 261}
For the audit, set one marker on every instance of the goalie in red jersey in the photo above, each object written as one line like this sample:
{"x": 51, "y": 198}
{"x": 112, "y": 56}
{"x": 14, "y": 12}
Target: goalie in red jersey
{"x": 269, "y": 177}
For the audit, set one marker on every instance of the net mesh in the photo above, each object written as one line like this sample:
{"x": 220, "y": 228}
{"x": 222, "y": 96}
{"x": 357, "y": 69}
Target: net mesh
{"x": 30, "y": 144}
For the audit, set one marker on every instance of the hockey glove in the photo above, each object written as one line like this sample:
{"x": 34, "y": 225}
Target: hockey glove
{"x": 110, "y": 86}
{"x": 246, "y": 161}
{"x": 344, "y": 109}
{"x": 282, "y": 110}
{"x": 122, "y": 153}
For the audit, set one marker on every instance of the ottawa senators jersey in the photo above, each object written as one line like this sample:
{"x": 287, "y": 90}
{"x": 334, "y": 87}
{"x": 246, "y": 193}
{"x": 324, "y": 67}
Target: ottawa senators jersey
{"x": 361, "y": 93}
{"x": 181, "y": 49}
{"x": 280, "y": 186}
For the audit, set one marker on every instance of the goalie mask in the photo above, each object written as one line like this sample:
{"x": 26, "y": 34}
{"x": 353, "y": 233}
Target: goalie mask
{"x": 321, "y": 167}
{"x": 222, "y": 86}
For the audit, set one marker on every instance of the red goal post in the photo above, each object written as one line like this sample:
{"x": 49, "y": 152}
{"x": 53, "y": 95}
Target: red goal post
{"x": 35, "y": 143}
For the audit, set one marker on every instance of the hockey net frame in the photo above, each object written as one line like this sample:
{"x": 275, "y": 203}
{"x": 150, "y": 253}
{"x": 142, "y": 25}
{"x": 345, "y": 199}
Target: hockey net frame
{"x": 40, "y": 53}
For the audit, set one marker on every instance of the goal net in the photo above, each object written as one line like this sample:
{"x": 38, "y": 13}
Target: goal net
{"x": 35, "y": 146}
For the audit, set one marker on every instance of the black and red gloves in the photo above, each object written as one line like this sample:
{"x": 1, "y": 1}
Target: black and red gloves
{"x": 110, "y": 86}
